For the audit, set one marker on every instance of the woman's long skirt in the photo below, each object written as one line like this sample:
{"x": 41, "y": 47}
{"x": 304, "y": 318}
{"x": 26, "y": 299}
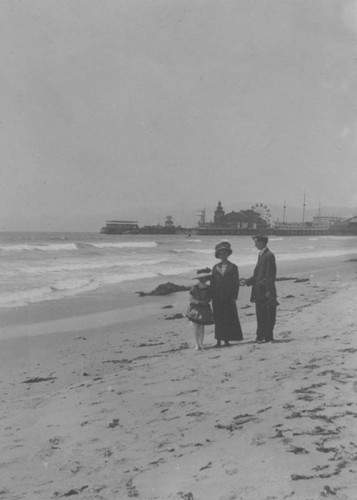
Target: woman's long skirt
{"x": 227, "y": 325}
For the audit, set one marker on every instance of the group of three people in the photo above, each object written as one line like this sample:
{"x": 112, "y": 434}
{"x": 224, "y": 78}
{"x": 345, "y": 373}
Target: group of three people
{"x": 223, "y": 291}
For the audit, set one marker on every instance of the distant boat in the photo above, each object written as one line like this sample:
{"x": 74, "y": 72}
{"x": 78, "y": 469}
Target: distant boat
{"x": 120, "y": 227}
{"x": 132, "y": 227}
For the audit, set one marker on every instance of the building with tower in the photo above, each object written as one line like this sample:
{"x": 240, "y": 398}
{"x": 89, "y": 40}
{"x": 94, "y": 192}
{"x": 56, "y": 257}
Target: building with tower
{"x": 244, "y": 222}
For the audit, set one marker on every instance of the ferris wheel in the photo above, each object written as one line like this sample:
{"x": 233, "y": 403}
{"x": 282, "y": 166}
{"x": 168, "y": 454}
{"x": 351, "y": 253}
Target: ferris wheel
{"x": 263, "y": 211}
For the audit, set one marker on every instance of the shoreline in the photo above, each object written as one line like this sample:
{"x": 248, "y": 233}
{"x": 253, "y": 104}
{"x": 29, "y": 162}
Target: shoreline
{"x": 123, "y": 296}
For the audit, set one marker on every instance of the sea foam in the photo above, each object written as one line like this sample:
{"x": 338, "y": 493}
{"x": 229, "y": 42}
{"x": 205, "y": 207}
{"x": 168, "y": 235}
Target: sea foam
{"x": 126, "y": 244}
{"x": 43, "y": 248}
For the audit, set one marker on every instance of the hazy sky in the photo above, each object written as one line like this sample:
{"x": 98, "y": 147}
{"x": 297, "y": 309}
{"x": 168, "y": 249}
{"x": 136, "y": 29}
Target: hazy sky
{"x": 113, "y": 104}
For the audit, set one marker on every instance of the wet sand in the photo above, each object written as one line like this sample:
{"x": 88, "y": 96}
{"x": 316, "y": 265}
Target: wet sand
{"x": 104, "y": 397}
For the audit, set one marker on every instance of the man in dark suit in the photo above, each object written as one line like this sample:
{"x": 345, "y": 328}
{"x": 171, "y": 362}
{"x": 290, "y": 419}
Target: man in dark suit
{"x": 264, "y": 290}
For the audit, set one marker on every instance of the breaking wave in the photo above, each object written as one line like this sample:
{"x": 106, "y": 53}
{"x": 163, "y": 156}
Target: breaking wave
{"x": 60, "y": 247}
{"x": 55, "y": 247}
{"x": 126, "y": 244}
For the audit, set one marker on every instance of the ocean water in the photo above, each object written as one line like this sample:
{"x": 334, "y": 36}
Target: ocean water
{"x": 36, "y": 267}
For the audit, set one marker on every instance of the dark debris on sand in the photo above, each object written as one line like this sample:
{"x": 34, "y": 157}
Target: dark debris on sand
{"x": 175, "y": 316}
{"x": 113, "y": 423}
{"x": 166, "y": 289}
{"x": 34, "y": 380}
{"x": 237, "y": 422}
{"x": 296, "y": 280}
{"x": 71, "y": 492}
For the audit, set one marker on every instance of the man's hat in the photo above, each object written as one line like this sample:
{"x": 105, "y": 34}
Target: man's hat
{"x": 203, "y": 273}
{"x": 223, "y": 245}
{"x": 261, "y": 237}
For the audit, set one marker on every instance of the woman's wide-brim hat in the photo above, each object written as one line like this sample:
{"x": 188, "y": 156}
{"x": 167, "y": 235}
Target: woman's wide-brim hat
{"x": 223, "y": 245}
{"x": 203, "y": 273}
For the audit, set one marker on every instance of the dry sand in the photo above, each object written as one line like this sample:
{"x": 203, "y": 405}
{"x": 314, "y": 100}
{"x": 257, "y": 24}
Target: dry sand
{"x": 114, "y": 403}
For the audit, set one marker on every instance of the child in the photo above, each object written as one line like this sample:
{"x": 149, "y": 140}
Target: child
{"x": 199, "y": 311}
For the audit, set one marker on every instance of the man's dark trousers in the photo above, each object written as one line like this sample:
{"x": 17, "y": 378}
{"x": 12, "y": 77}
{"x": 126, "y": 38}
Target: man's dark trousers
{"x": 266, "y": 316}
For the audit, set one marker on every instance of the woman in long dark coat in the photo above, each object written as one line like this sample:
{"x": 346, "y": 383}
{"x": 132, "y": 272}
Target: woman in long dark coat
{"x": 225, "y": 288}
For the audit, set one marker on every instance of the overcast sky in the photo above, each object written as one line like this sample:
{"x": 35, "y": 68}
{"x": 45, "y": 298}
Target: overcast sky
{"x": 113, "y": 104}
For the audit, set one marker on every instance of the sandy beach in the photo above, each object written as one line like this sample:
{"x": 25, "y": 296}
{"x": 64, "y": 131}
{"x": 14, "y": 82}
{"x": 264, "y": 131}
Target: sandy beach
{"x": 104, "y": 397}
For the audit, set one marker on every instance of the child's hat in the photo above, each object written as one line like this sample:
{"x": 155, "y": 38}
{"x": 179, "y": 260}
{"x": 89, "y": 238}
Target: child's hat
{"x": 203, "y": 273}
